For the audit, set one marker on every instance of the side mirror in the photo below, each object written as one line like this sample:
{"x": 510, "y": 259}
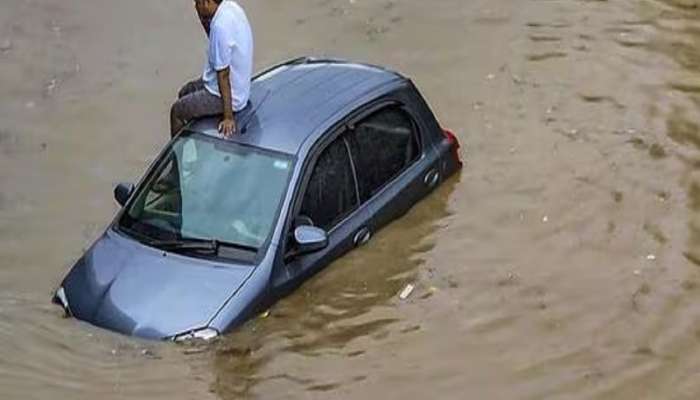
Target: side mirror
{"x": 122, "y": 192}
{"x": 302, "y": 220}
{"x": 310, "y": 239}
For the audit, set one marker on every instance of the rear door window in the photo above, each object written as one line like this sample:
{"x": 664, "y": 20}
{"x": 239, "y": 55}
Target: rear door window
{"x": 383, "y": 145}
{"x": 330, "y": 194}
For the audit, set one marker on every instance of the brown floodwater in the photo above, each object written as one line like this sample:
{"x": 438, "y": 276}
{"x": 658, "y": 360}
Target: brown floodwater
{"x": 563, "y": 263}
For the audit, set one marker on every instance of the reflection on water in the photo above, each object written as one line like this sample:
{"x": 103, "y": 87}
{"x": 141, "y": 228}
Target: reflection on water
{"x": 563, "y": 263}
{"x": 682, "y": 44}
{"x": 44, "y": 356}
{"x": 353, "y": 299}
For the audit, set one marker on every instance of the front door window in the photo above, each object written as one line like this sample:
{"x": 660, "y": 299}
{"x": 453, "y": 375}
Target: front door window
{"x": 330, "y": 194}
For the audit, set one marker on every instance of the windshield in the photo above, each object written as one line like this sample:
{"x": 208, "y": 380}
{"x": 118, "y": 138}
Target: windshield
{"x": 205, "y": 188}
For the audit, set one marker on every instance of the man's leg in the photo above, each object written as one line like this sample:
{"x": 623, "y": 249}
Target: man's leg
{"x": 197, "y": 104}
{"x": 190, "y": 87}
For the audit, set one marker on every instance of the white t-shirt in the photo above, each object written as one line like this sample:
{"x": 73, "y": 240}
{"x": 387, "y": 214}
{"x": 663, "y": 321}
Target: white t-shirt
{"x": 230, "y": 45}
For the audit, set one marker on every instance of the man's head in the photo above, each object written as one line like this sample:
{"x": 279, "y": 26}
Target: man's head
{"x": 206, "y": 8}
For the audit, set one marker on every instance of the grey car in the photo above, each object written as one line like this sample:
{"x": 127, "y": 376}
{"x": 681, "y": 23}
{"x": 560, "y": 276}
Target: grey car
{"x": 217, "y": 230}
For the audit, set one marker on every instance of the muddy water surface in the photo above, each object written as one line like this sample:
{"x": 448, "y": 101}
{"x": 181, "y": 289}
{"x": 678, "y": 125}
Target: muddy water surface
{"x": 563, "y": 263}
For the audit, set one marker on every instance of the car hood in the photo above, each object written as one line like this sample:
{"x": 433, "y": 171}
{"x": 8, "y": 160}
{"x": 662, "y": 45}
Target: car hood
{"x": 127, "y": 287}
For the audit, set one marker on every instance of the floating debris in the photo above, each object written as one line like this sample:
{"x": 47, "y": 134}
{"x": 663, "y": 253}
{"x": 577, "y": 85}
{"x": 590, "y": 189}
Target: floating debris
{"x": 643, "y": 351}
{"x": 55, "y": 28}
{"x": 509, "y": 280}
{"x": 651, "y": 257}
{"x": 545, "y": 219}
{"x": 50, "y": 87}
{"x": 431, "y": 291}
{"x": 406, "y": 292}
{"x": 663, "y": 196}
{"x": 148, "y": 353}
{"x": 6, "y": 45}
{"x": 265, "y": 314}
{"x": 644, "y": 289}
{"x": 618, "y": 196}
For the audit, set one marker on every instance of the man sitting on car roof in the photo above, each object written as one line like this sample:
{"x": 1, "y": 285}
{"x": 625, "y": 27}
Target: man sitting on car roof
{"x": 224, "y": 87}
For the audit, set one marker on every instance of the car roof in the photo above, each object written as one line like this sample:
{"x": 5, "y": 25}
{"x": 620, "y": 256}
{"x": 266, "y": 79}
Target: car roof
{"x": 300, "y": 99}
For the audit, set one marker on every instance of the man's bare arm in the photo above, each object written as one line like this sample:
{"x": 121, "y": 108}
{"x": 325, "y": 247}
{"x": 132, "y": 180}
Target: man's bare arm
{"x": 227, "y": 126}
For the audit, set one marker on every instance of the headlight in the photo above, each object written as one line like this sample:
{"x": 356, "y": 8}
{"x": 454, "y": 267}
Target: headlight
{"x": 201, "y": 334}
{"x": 61, "y": 299}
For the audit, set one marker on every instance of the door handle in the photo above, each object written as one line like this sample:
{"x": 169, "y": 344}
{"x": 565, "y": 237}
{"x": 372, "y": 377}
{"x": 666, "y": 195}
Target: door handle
{"x": 432, "y": 178}
{"x": 362, "y": 236}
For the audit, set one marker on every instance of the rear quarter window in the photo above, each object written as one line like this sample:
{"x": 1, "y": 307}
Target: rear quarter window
{"x": 383, "y": 145}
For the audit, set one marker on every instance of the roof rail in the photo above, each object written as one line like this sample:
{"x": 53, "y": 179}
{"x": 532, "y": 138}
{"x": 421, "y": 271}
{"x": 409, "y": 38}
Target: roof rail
{"x": 320, "y": 60}
{"x": 293, "y": 61}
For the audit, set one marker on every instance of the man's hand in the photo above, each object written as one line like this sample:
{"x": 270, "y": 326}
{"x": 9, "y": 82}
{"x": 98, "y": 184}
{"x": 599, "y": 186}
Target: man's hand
{"x": 227, "y": 127}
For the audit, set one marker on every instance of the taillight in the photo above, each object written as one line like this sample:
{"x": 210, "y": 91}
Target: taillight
{"x": 454, "y": 143}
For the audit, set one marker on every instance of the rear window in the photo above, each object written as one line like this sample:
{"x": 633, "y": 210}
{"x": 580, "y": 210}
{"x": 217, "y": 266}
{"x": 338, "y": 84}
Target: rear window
{"x": 383, "y": 145}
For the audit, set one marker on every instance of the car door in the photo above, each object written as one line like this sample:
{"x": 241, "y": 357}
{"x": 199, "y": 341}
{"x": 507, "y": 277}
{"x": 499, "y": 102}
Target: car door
{"x": 395, "y": 166}
{"x": 328, "y": 200}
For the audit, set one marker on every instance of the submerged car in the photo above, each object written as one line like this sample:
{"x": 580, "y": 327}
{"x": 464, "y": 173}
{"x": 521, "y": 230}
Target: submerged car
{"x": 219, "y": 229}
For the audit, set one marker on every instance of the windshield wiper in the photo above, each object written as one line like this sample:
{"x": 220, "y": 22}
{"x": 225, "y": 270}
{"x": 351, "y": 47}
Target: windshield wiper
{"x": 197, "y": 244}
{"x": 141, "y": 237}
{"x": 208, "y": 245}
